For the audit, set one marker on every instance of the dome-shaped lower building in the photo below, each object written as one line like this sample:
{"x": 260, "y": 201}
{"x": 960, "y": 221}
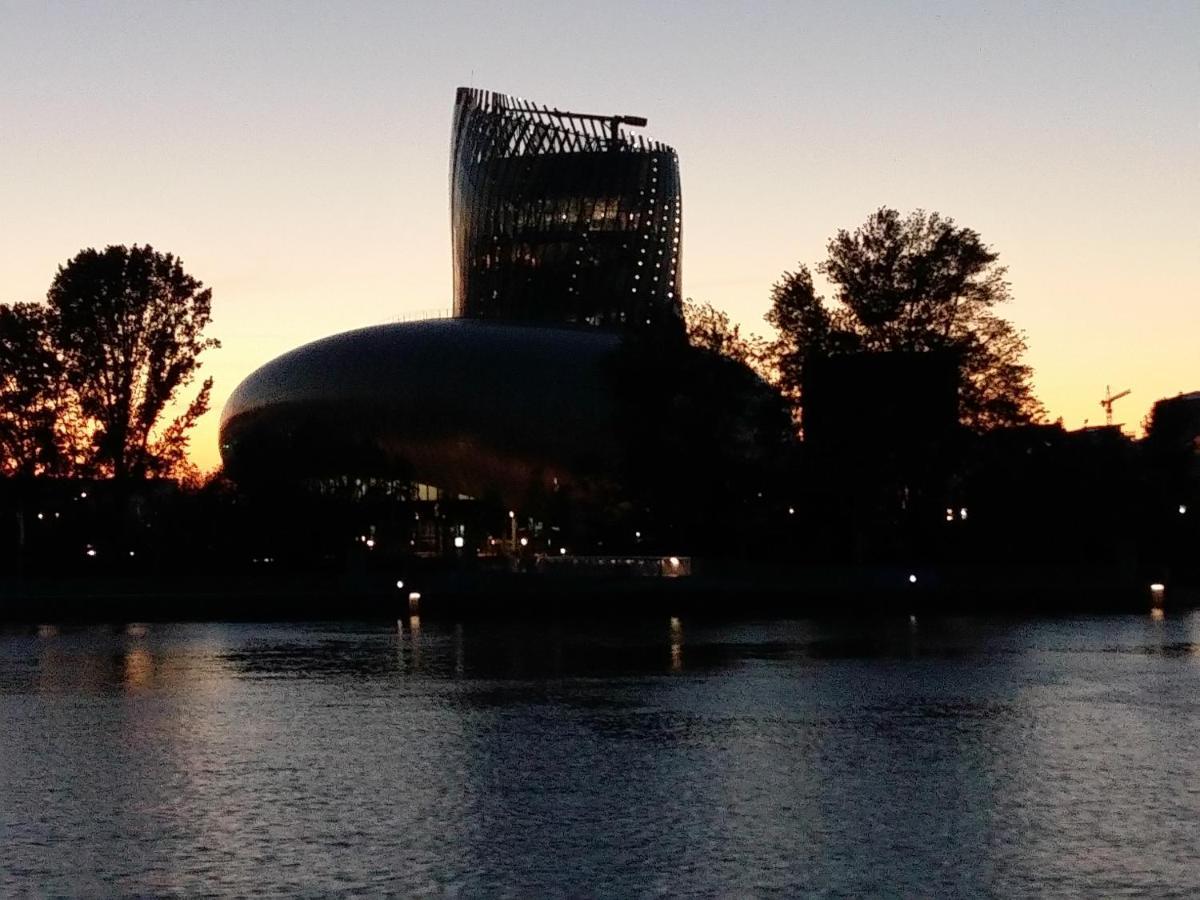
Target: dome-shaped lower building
{"x": 472, "y": 407}
{"x": 624, "y": 432}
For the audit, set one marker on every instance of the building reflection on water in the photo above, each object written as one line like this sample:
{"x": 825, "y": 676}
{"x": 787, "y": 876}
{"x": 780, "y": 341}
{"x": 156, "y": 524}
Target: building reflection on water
{"x": 676, "y": 644}
{"x": 140, "y": 656}
{"x": 138, "y": 668}
{"x": 531, "y": 649}
{"x": 489, "y": 649}
{"x": 101, "y": 659}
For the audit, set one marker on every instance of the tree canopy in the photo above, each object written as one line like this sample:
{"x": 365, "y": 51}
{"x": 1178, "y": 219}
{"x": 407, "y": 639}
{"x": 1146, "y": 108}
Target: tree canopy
{"x": 128, "y": 324}
{"x": 912, "y": 283}
{"x": 31, "y": 435}
{"x": 711, "y": 329}
{"x": 86, "y": 378}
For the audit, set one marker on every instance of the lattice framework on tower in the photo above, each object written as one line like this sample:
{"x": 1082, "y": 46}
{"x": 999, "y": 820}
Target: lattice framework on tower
{"x": 561, "y": 217}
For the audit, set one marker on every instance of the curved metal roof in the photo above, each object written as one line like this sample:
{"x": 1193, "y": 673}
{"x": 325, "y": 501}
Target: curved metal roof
{"x": 467, "y": 405}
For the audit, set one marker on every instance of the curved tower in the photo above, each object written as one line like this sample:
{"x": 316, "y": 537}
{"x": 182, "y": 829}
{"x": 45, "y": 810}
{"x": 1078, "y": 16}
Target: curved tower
{"x": 562, "y": 217}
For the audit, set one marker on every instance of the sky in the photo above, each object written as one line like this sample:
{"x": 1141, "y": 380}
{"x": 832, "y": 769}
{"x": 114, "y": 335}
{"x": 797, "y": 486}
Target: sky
{"x": 295, "y": 155}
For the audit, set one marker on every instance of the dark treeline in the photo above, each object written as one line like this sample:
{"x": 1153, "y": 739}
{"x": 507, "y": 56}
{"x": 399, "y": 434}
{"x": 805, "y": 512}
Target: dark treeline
{"x": 1033, "y": 495}
{"x": 892, "y": 424}
{"x": 921, "y": 439}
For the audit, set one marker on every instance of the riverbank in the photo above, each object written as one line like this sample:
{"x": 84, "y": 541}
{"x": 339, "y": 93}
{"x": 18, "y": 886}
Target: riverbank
{"x": 720, "y": 589}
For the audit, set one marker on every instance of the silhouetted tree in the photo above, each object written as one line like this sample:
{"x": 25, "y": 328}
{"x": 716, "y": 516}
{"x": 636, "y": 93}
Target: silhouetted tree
{"x": 708, "y": 446}
{"x": 710, "y": 329}
{"x": 127, "y": 324}
{"x": 31, "y": 428}
{"x": 916, "y": 283}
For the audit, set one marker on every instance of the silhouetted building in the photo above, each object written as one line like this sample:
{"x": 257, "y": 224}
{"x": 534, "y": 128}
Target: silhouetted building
{"x": 562, "y": 217}
{"x": 565, "y": 368}
{"x": 1171, "y": 460}
{"x": 863, "y": 405}
{"x": 470, "y": 407}
{"x": 879, "y": 440}
{"x": 1041, "y": 494}
{"x": 1174, "y": 428}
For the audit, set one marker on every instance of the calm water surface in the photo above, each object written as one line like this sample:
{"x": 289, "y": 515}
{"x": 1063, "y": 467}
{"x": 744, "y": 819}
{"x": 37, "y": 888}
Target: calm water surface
{"x": 968, "y": 757}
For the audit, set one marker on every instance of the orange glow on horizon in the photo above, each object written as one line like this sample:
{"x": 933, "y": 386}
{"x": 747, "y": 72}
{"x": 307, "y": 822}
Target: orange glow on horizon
{"x": 298, "y": 164}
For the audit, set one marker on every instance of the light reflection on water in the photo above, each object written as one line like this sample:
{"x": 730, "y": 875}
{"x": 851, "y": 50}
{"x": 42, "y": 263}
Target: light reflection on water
{"x": 954, "y": 756}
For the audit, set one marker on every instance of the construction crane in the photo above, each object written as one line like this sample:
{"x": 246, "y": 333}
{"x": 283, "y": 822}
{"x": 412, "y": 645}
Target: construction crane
{"x": 1109, "y": 399}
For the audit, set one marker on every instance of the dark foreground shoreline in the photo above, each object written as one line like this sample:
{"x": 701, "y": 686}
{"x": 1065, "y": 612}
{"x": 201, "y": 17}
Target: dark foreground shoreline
{"x": 731, "y": 591}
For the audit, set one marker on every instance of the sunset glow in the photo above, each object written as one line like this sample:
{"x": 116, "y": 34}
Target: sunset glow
{"x": 295, "y": 156}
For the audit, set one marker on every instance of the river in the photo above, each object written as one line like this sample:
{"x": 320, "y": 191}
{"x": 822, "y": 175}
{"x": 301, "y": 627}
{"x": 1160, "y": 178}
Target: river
{"x": 620, "y": 758}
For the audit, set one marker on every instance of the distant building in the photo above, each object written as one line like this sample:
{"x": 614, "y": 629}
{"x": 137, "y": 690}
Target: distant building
{"x": 1172, "y": 448}
{"x": 562, "y": 217}
{"x": 879, "y": 436}
{"x": 1175, "y": 422}
{"x": 869, "y": 404}
{"x": 1042, "y": 494}
{"x": 565, "y": 355}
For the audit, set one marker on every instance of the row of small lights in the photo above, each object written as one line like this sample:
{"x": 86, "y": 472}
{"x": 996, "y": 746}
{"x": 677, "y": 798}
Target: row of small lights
{"x": 460, "y": 541}
{"x": 91, "y": 552}
{"x": 962, "y": 513}
{"x": 82, "y": 496}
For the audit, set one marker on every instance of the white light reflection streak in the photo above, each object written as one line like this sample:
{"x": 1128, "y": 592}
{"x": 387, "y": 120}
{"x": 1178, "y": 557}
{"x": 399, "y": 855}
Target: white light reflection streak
{"x": 676, "y": 644}
{"x": 414, "y": 631}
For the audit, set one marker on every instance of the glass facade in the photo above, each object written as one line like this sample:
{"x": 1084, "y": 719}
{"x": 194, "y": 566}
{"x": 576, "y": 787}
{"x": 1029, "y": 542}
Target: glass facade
{"x": 562, "y": 217}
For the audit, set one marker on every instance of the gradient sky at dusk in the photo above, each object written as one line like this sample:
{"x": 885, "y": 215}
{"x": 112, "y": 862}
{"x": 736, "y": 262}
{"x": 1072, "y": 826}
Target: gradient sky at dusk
{"x": 295, "y": 155}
